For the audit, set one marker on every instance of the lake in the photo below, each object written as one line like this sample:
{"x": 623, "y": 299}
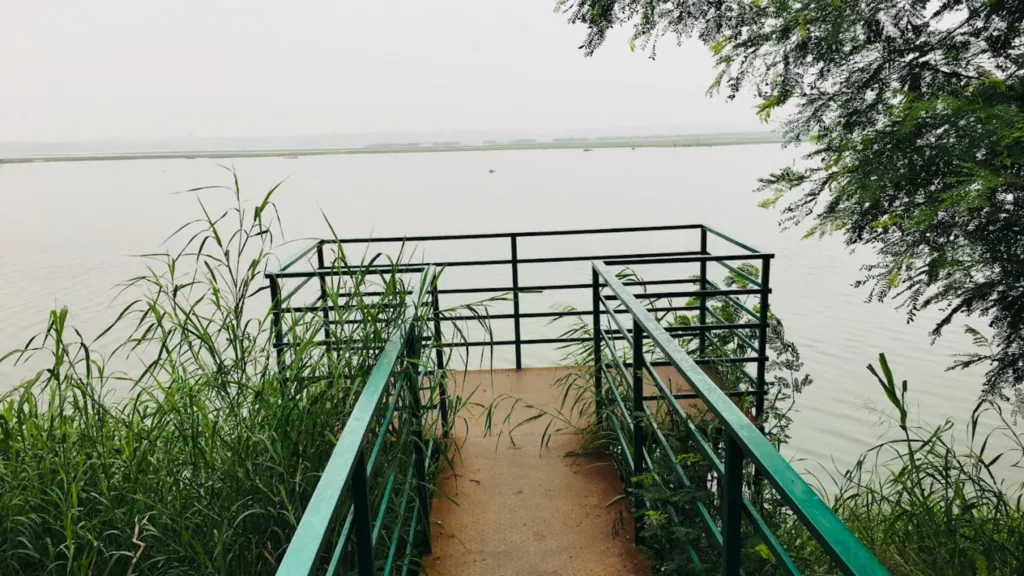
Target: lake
{"x": 69, "y": 231}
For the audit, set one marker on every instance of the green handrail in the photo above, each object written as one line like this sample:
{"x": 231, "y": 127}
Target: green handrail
{"x": 348, "y": 465}
{"x": 742, "y": 440}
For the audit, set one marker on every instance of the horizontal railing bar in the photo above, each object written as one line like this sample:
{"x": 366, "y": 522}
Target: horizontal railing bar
{"x": 563, "y": 313}
{"x": 647, "y": 503}
{"x": 709, "y": 523}
{"x": 849, "y": 554}
{"x": 383, "y": 506}
{"x": 705, "y": 516}
{"x": 393, "y": 548}
{"x": 698, "y": 438}
{"x": 618, "y": 398}
{"x": 740, "y": 273}
{"x": 696, "y": 328}
{"x": 476, "y": 344}
{"x": 372, "y": 460}
{"x": 349, "y": 295}
{"x": 546, "y": 287}
{"x": 753, "y": 517}
{"x": 689, "y": 294}
{"x": 697, "y": 257}
{"x": 626, "y": 451}
{"x": 350, "y": 270}
{"x": 746, "y": 342}
{"x": 329, "y": 306}
{"x": 531, "y": 341}
{"x": 613, "y": 314}
{"x": 555, "y": 259}
{"x": 295, "y": 257}
{"x": 527, "y": 234}
{"x": 537, "y": 288}
{"x": 412, "y": 524}
{"x": 679, "y": 257}
{"x": 292, "y": 292}
{"x": 739, "y": 305}
{"x": 639, "y": 258}
{"x": 703, "y": 361}
{"x": 339, "y": 547}
{"x": 618, "y": 361}
{"x": 694, "y": 396}
{"x": 719, "y": 346}
{"x": 735, "y": 242}
{"x": 769, "y": 539}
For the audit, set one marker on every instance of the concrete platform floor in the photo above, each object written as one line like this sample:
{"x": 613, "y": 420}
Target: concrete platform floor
{"x": 522, "y": 510}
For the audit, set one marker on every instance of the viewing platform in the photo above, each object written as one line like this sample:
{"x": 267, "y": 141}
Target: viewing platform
{"x": 549, "y": 403}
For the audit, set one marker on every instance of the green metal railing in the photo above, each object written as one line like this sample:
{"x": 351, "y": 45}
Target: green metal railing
{"x": 341, "y": 524}
{"x": 748, "y": 455}
{"x": 340, "y": 529}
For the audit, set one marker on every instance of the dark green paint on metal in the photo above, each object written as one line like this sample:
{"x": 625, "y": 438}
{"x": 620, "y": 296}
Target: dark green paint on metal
{"x": 745, "y": 439}
{"x": 347, "y": 466}
{"x": 732, "y": 511}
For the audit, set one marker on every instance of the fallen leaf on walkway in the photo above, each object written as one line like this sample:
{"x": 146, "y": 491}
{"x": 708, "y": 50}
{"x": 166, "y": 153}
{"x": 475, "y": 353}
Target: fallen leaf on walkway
{"x": 614, "y": 500}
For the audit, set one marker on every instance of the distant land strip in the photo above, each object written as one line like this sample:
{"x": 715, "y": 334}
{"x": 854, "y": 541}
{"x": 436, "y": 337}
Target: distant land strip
{"x": 569, "y": 144}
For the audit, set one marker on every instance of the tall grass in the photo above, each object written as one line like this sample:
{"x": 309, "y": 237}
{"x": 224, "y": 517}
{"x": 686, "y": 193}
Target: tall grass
{"x": 922, "y": 502}
{"x": 928, "y": 504}
{"x": 198, "y": 455}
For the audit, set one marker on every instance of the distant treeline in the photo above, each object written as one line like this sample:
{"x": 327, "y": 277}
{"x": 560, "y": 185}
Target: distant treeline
{"x": 583, "y": 140}
{"x": 667, "y": 137}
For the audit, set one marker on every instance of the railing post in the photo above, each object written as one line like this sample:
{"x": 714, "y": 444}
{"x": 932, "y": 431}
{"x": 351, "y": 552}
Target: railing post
{"x": 702, "y": 339}
{"x": 435, "y": 304}
{"x": 320, "y": 265}
{"x": 413, "y": 384}
{"x": 638, "y": 430}
{"x": 361, "y": 520}
{"x": 276, "y": 321}
{"x": 762, "y": 341}
{"x": 515, "y": 300}
{"x": 732, "y": 508}
{"x": 762, "y": 361}
{"x": 598, "y": 419}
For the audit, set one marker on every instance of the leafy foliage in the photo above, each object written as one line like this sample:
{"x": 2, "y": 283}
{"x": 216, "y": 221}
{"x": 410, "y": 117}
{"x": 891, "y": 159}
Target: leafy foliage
{"x": 915, "y": 111}
{"x": 208, "y": 460}
{"x": 925, "y": 504}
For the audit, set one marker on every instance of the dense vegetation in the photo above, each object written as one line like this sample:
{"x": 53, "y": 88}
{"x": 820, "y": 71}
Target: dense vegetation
{"x": 916, "y": 111}
{"x": 199, "y": 455}
{"x": 923, "y": 503}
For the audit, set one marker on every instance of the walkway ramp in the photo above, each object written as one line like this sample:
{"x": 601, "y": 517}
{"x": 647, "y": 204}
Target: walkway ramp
{"x": 513, "y": 509}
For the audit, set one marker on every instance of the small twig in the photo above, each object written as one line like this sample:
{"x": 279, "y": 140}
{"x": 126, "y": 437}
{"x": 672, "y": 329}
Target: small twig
{"x": 139, "y": 543}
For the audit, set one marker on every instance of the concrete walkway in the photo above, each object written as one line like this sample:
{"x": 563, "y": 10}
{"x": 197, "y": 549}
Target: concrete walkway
{"x": 519, "y": 510}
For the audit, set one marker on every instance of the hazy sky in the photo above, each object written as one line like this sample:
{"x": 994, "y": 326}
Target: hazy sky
{"x": 113, "y": 69}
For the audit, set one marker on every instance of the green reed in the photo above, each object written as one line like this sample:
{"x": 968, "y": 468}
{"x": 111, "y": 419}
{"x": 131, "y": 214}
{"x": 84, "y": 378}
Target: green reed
{"x": 198, "y": 454}
{"x": 923, "y": 503}
{"x": 928, "y": 504}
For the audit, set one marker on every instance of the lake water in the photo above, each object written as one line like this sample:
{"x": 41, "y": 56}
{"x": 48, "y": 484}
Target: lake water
{"x": 68, "y": 231}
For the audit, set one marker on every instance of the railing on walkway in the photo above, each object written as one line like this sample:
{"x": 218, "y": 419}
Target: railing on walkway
{"x": 629, "y": 416}
{"x": 684, "y": 267}
{"x": 681, "y": 274}
{"x": 340, "y": 526}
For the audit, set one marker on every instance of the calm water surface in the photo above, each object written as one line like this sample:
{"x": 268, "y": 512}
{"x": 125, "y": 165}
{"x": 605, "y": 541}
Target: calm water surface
{"x": 69, "y": 231}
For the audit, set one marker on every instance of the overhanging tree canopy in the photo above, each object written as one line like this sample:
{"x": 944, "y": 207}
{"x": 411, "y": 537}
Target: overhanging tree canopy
{"x": 915, "y": 112}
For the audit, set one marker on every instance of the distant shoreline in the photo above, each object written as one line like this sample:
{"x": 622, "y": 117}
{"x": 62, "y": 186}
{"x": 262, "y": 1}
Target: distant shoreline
{"x": 681, "y": 142}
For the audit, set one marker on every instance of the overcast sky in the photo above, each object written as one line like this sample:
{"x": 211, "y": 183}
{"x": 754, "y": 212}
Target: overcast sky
{"x": 128, "y": 69}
